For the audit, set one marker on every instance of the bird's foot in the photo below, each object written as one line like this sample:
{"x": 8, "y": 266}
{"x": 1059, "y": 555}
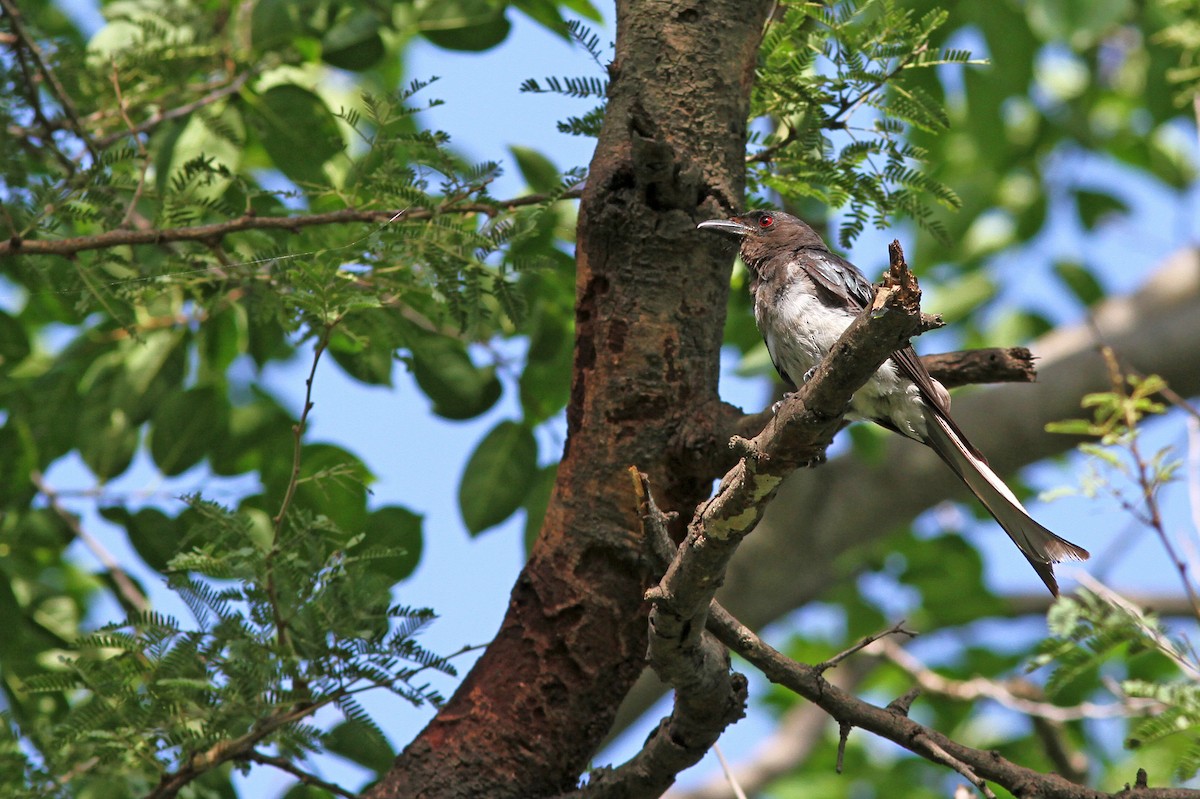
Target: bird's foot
{"x": 809, "y": 375}
{"x": 813, "y": 462}
{"x": 787, "y": 396}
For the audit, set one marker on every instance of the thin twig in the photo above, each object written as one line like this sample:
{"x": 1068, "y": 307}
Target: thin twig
{"x": 130, "y": 596}
{"x": 941, "y": 755}
{"x": 1004, "y": 694}
{"x": 283, "y": 764}
{"x": 733, "y": 783}
{"x": 159, "y": 117}
{"x": 141, "y": 148}
{"x": 235, "y": 748}
{"x": 1145, "y": 480}
{"x": 281, "y": 624}
{"x": 895, "y": 629}
{"x": 56, "y": 87}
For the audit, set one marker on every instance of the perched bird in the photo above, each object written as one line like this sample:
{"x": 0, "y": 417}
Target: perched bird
{"x": 804, "y": 298}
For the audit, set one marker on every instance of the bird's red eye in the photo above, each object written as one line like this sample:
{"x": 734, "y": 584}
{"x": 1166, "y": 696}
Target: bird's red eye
{"x": 766, "y": 220}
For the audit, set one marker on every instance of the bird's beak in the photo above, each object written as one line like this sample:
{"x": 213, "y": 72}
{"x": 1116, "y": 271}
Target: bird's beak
{"x": 735, "y": 226}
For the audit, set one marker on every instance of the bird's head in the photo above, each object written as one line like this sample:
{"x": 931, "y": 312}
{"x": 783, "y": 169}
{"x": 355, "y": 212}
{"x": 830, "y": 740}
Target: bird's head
{"x": 764, "y": 233}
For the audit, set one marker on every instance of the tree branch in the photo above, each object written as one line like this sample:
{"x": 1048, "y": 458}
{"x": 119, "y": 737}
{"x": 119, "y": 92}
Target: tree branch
{"x": 708, "y": 697}
{"x": 991, "y": 365}
{"x": 900, "y": 729}
{"x": 159, "y": 116}
{"x": 1018, "y": 695}
{"x": 208, "y": 234}
{"x": 128, "y": 594}
{"x": 789, "y": 746}
{"x": 951, "y": 369}
{"x": 283, "y": 764}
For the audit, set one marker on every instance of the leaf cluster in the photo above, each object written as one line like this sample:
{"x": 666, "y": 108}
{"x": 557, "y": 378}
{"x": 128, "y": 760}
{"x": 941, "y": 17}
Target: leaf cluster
{"x": 832, "y": 94}
{"x": 271, "y": 642}
{"x": 1096, "y": 627}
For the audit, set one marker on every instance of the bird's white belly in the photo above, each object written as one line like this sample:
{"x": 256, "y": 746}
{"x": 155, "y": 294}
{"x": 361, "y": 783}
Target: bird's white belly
{"x": 799, "y": 331}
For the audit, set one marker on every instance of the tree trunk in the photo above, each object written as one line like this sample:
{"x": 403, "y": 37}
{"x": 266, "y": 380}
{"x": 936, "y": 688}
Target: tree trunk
{"x": 650, "y": 309}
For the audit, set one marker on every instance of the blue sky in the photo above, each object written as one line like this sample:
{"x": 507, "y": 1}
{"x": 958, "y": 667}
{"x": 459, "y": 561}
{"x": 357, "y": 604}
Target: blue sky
{"x": 467, "y": 581}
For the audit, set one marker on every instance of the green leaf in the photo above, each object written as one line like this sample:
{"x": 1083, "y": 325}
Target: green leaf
{"x": 1081, "y": 281}
{"x": 220, "y": 341}
{"x": 395, "y": 528}
{"x": 470, "y": 25}
{"x": 353, "y": 43}
{"x": 459, "y": 389}
{"x": 1096, "y": 208}
{"x": 186, "y": 426}
{"x": 201, "y": 154}
{"x": 259, "y": 435}
{"x": 1071, "y": 427}
{"x": 297, "y": 131}
{"x": 362, "y": 744}
{"x": 276, "y": 22}
{"x": 584, "y": 8}
{"x": 333, "y": 483}
{"x": 498, "y": 476}
{"x": 154, "y": 534}
{"x": 365, "y": 345}
{"x": 539, "y": 171}
{"x": 545, "y": 382}
{"x": 108, "y": 441}
{"x": 958, "y": 299}
{"x": 546, "y": 13}
{"x": 14, "y": 344}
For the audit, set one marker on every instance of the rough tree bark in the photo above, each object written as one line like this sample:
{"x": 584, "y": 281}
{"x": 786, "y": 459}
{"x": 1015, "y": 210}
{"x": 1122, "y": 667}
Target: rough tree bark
{"x": 650, "y": 307}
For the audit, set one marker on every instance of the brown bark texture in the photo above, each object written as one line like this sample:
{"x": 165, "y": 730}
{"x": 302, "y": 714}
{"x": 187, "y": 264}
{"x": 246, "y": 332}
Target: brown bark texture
{"x": 650, "y": 307}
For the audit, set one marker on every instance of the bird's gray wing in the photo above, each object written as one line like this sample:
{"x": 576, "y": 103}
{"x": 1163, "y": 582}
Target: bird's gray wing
{"x": 841, "y": 281}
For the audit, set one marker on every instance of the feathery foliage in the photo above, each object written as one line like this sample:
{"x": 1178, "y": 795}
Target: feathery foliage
{"x": 830, "y": 88}
{"x": 271, "y": 642}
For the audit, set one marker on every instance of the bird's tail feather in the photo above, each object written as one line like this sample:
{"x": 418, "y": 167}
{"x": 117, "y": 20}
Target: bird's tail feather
{"x": 1040, "y": 547}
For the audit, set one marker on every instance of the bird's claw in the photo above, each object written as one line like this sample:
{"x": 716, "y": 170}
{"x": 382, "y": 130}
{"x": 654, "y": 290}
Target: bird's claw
{"x": 809, "y": 375}
{"x": 787, "y": 396}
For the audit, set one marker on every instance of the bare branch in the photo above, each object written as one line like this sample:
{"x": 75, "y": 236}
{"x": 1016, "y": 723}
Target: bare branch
{"x": 130, "y": 596}
{"x": 895, "y": 629}
{"x": 1018, "y": 695}
{"x": 795, "y": 737}
{"x": 974, "y": 764}
{"x": 283, "y": 764}
{"x": 973, "y": 367}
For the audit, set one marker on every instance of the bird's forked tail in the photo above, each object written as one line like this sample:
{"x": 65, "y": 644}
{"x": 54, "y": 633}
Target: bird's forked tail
{"x": 1040, "y": 547}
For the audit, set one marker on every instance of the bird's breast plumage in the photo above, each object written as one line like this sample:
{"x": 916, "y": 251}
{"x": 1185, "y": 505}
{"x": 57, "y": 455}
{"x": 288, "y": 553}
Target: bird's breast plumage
{"x": 800, "y": 327}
